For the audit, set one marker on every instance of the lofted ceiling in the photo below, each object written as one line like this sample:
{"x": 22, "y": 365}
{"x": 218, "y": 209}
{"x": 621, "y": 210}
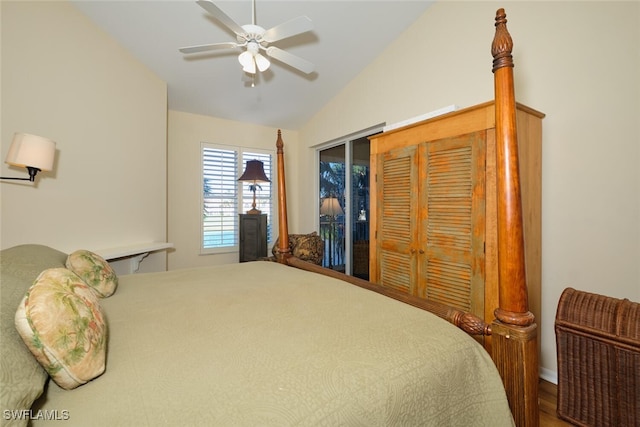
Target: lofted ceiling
{"x": 347, "y": 36}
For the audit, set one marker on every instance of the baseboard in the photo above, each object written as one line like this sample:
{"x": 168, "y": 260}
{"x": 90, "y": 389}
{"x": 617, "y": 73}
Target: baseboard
{"x": 548, "y": 375}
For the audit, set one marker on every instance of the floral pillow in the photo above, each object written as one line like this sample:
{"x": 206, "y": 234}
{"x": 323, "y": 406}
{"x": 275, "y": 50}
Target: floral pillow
{"x": 94, "y": 270}
{"x": 61, "y": 322}
{"x": 293, "y": 238}
{"x": 307, "y": 247}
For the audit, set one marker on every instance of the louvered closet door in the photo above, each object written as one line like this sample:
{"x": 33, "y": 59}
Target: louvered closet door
{"x": 452, "y": 222}
{"x": 397, "y": 206}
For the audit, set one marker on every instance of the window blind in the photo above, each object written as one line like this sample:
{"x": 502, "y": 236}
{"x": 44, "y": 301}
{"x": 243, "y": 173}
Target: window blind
{"x": 220, "y": 198}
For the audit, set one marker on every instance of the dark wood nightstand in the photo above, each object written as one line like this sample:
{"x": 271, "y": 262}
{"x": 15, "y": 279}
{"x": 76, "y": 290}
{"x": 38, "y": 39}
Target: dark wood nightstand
{"x": 253, "y": 237}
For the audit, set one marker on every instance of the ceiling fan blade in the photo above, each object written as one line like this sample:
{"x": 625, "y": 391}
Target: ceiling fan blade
{"x": 291, "y": 59}
{"x": 296, "y": 26}
{"x": 208, "y": 47}
{"x": 221, "y": 16}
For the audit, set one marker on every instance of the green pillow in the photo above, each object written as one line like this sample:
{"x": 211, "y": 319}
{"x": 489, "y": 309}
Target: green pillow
{"x": 22, "y": 379}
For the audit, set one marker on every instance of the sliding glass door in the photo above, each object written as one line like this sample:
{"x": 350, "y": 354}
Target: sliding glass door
{"x": 344, "y": 184}
{"x": 332, "y": 205}
{"x": 360, "y": 186}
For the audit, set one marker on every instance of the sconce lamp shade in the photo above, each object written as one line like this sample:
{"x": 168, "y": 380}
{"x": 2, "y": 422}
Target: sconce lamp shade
{"x": 254, "y": 172}
{"x": 331, "y": 207}
{"x": 31, "y": 151}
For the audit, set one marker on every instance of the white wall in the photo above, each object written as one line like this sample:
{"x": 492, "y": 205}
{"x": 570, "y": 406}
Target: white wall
{"x": 577, "y": 62}
{"x": 186, "y": 132}
{"x": 65, "y": 79}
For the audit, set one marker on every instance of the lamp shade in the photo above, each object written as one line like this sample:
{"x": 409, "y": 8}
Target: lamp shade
{"x": 331, "y": 206}
{"x": 31, "y": 151}
{"x": 254, "y": 172}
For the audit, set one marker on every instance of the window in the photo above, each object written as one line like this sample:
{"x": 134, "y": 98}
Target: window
{"x": 223, "y": 197}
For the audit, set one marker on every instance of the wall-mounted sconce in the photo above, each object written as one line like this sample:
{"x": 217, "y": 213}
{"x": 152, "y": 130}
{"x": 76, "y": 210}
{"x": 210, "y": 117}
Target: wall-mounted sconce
{"x": 32, "y": 152}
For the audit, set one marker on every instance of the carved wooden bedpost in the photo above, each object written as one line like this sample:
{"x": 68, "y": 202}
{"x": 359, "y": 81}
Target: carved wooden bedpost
{"x": 282, "y": 251}
{"x": 514, "y": 330}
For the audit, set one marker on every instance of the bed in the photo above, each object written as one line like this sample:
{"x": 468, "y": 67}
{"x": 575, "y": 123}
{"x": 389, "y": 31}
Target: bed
{"x": 268, "y": 343}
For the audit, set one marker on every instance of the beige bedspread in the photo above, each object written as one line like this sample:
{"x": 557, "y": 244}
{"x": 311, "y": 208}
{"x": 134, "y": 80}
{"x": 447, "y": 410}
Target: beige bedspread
{"x": 261, "y": 344}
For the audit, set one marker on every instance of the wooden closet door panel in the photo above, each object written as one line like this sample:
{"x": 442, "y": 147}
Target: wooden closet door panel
{"x": 452, "y": 221}
{"x": 397, "y": 206}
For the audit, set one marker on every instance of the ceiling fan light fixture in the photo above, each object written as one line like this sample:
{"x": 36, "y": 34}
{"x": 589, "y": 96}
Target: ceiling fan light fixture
{"x": 251, "y": 58}
{"x": 262, "y": 62}
{"x": 247, "y": 62}
{"x": 251, "y": 68}
{"x": 253, "y": 47}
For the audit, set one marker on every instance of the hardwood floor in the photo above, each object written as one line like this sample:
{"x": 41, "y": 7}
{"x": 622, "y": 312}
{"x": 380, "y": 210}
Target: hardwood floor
{"x": 548, "y": 394}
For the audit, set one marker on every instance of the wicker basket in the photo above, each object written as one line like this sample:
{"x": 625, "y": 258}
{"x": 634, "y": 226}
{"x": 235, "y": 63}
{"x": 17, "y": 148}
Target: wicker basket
{"x": 598, "y": 343}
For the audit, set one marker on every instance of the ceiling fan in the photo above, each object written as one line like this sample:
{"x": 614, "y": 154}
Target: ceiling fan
{"x": 255, "y": 39}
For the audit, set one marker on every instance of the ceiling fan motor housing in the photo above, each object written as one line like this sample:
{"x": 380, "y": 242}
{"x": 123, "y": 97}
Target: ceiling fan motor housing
{"x": 252, "y": 33}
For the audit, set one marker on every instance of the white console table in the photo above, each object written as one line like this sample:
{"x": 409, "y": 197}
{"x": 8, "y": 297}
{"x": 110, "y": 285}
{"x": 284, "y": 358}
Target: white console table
{"x": 135, "y": 253}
